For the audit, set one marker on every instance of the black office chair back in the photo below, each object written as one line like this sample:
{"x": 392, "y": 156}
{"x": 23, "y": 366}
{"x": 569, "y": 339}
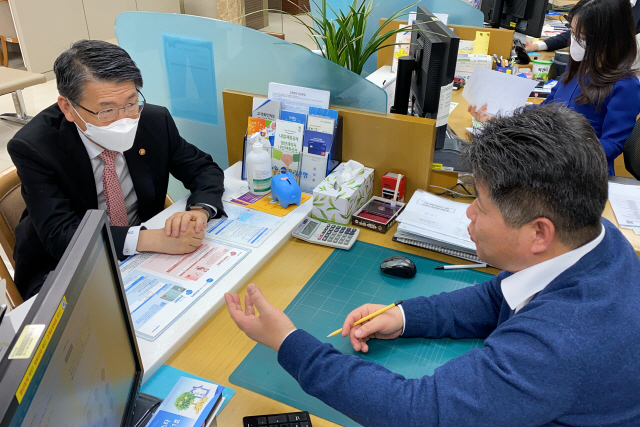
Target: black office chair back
{"x": 631, "y": 152}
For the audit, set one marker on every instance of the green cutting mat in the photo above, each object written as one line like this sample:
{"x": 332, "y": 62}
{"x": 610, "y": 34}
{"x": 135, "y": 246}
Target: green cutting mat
{"x": 345, "y": 281}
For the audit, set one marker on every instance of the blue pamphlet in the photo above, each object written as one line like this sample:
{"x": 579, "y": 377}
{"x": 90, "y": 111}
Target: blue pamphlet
{"x": 190, "y": 403}
{"x": 166, "y": 377}
{"x": 317, "y": 142}
{"x": 290, "y": 116}
{"x": 323, "y": 112}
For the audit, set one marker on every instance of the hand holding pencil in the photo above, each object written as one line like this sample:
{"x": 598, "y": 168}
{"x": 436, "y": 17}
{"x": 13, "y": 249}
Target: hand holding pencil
{"x": 387, "y": 325}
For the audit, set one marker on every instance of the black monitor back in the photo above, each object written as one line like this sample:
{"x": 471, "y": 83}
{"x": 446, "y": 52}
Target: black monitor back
{"x": 439, "y": 69}
{"x": 429, "y": 54}
{"x": 88, "y": 269}
{"x": 528, "y": 22}
{"x": 492, "y": 10}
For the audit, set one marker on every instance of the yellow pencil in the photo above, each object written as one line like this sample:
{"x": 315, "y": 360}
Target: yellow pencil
{"x": 371, "y": 316}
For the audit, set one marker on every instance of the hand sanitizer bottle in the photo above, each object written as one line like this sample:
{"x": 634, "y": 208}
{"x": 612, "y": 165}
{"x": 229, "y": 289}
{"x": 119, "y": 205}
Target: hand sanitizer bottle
{"x": 259, "y": 169}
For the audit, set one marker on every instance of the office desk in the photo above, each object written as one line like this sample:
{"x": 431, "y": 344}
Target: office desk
{"x": 219, "y": 346}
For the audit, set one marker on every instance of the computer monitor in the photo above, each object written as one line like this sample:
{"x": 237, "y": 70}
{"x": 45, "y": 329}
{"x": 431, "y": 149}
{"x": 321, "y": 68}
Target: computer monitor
{"x": 492, "y": 10}
{"x": 75, "y": 360}
{"x": 430, "y": 69}
{"x": 524, "y": 16}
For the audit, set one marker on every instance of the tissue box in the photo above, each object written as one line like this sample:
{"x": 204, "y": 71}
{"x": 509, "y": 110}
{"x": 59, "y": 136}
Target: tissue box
{"x": 337, "y": 206}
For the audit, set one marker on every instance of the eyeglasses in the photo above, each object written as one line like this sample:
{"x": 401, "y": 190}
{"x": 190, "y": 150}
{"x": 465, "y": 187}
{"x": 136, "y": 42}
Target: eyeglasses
{"x": 110, "y": 114}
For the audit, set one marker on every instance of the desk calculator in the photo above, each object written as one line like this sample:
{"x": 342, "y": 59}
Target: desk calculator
{"x": 292, "y": 419}
{"x": 332, "y": 235}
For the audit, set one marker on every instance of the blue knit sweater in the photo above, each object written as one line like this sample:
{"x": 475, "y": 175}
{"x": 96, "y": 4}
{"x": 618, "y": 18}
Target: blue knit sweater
{"x": 617, "y": 116}
{"x": 570, "y": 357}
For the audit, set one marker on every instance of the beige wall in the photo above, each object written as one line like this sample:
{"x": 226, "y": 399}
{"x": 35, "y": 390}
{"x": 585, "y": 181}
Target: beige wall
{"x": 101, "y": 16}
{"x": 165, "y": 6}
{"x": 230, "y": 10}
{"x": 206, "y": 8}
{"x": 48, "y": 27}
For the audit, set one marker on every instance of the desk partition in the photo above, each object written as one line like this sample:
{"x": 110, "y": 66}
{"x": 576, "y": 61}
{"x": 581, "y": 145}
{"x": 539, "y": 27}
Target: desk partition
{"x": 187, "y": 61}
{"x": 386, "y": 143}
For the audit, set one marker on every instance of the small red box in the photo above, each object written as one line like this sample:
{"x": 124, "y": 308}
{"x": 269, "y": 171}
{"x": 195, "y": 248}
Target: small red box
{"x": 389, "y": 186}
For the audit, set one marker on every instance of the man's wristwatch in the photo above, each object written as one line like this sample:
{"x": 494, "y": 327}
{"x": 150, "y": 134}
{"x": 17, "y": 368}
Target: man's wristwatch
{"x": 202, "y": 206}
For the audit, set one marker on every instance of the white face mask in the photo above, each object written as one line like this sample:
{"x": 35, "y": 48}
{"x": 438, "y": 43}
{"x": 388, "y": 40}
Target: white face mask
{"x": 118, "y": 136}
{"x": 577, "y": 49}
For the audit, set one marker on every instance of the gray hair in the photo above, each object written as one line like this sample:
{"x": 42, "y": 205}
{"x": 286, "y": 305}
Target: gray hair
{"x": 543, "y": 162}
{"x": 93, "y": 61}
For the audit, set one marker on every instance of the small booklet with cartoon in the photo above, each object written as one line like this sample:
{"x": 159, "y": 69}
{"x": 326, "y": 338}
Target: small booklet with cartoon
{"x": 191, "y": 403}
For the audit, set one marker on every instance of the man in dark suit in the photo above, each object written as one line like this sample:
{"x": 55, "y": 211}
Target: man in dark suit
{"x": 102, "y": 147}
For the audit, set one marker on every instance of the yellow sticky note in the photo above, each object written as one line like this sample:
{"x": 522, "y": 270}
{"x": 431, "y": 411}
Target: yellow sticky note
{"x": 481, "y": 43}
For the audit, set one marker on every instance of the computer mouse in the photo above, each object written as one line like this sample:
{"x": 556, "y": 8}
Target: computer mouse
{"x": 399, "y": 266}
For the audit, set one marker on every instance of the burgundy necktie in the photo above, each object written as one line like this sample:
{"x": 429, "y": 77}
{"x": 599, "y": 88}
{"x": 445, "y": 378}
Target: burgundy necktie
{"x": 112, "y": 191}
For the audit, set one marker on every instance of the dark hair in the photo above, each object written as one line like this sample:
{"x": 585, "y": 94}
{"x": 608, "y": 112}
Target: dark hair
{"x": 608, "y": 29}
{"x": 93, "y": 60}
{"x": 543, "y": 162}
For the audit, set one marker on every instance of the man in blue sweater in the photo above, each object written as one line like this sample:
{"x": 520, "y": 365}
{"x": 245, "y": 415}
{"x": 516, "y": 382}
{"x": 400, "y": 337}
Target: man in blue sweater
{"x": 561, "y": 323}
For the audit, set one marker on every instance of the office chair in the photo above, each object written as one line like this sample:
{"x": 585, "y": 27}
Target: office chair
{"x": 11, "y": 207}
{"x": 631, "y": 152}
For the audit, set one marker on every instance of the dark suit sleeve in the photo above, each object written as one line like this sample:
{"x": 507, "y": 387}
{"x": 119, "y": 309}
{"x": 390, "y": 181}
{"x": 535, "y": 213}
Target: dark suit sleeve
{"x": 195, "y": 169}
{"x": 559, "y": 41}
{"x": 53, "y": 217}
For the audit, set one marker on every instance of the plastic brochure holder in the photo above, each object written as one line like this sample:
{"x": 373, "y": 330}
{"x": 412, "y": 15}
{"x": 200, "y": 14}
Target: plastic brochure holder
{"x": 334, "y": 155}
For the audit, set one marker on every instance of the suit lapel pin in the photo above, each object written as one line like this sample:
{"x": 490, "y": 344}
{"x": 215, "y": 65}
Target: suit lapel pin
{"x": 142, "y": 152}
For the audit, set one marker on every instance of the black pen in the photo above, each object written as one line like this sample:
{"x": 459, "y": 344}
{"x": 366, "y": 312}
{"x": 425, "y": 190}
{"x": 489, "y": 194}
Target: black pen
{"x": 3, "y": 310}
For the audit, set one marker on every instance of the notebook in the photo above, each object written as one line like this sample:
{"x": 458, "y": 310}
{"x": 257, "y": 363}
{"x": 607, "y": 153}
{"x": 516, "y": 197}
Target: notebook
{"x": 437, "y": 224}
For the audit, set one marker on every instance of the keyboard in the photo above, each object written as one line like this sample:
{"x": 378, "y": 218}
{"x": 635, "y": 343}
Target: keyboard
{"x": 292, "y": 419}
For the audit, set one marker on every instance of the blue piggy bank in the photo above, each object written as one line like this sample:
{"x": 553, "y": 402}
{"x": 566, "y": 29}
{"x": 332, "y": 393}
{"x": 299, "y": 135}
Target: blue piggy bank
{"x": 285, "y": 189}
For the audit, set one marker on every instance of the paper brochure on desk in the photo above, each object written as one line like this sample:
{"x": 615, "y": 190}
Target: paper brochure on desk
{"x": 191, "y": 403}
{"x": 437, "y": 224}
{"x": 625, "y": 201}
{"x": 160, "y": 287}
{"x": 503, "y": 93}
{"x": 243, "y": 226}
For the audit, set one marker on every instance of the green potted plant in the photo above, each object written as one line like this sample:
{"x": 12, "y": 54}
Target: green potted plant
{"x": 342, "y": 39}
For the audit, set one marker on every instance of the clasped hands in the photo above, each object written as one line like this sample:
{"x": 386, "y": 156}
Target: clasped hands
{"x": 182, "y": 233}
{"x": 272, "y": 326}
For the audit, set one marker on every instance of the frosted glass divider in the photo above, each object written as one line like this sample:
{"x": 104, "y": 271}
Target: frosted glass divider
{"x": 242, "y": 59}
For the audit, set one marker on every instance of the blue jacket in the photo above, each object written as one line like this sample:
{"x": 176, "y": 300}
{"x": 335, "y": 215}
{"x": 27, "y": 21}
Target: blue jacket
{"x": 570, "y": 357}
{"x": 617, "y": 116}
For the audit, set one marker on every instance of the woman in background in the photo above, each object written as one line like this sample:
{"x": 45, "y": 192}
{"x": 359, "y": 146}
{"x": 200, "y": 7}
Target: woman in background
{"x": 599, "y": 81}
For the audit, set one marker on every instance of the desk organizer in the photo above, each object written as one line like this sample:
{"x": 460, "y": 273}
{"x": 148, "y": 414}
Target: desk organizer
{"x": 383, "y": 224}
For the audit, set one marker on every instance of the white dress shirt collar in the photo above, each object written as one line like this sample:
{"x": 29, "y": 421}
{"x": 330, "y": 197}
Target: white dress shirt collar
{"x": 92, "y": 149}
{"x": 520, "y": 288}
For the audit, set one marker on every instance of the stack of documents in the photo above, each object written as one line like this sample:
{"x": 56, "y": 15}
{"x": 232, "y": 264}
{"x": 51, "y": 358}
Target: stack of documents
{"x": 625, "y": 201}
{"x": 437, "y": 224}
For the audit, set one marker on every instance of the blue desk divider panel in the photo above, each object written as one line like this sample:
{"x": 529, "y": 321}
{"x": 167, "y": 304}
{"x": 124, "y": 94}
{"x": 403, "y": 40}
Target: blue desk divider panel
{"x": 345, "y": 281}
{"x": 187, "y": 61}
{"x": 460, "y": 13}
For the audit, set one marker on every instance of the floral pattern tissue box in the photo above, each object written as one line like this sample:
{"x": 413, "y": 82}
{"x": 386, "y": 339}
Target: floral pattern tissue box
{"x": 337, "y": 205}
